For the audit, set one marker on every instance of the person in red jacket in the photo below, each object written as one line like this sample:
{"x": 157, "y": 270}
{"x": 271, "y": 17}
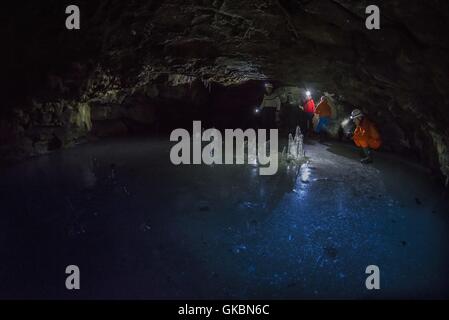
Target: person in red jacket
{"x": 309, "y": 110}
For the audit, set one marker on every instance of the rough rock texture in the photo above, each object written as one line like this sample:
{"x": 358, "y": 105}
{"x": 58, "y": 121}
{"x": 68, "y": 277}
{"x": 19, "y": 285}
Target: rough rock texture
{"x": 44, "y": 127}
{"x": 174, "y": 52}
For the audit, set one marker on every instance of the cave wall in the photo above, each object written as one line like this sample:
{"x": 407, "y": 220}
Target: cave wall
{"x": 136, "y": 54}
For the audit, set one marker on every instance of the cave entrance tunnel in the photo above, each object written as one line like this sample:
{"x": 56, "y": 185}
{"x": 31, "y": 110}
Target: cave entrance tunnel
{"x": 166, "y": 231}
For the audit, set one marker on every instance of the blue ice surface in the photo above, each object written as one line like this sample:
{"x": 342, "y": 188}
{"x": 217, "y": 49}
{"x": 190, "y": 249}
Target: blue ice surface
{"x": 139, "y": 227}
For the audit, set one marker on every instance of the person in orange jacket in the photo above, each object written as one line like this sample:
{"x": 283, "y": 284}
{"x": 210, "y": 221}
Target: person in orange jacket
{"x": 366, "y": 136}
{"x": 324, "y": 112}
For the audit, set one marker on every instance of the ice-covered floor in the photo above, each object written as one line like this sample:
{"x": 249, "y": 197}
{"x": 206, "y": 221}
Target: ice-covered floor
{"x": 138, "y": 227}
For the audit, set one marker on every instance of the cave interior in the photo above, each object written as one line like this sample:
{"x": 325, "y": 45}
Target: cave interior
{"x": 84, "y": 150}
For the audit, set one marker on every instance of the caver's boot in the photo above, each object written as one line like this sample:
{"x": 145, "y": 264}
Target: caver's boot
{"x": 368, "y": 158}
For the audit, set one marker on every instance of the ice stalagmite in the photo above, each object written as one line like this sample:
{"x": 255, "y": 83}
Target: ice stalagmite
{"x": 295, "y": 146}
{"x": 299, "y": 140}
{"x": 291, "y": 147}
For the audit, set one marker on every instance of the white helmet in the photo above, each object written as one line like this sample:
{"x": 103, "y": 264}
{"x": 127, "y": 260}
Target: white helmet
{"x": 268, "y": 85}
{"x": 356, "y": 113}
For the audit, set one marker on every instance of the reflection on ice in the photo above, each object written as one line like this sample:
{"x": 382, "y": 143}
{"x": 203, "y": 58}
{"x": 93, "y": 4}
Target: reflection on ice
{"x": 239, "y": 248}
{"x": 304, "y": 173}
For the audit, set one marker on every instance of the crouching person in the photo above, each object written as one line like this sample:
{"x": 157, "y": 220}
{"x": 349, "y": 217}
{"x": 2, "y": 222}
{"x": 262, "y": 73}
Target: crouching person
{"x": 366, "y": 136}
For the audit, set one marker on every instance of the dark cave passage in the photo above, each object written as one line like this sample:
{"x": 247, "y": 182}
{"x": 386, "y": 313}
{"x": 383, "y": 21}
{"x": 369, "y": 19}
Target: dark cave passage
{"x": 87, "y": 179}
{"x": 214, "y": 104}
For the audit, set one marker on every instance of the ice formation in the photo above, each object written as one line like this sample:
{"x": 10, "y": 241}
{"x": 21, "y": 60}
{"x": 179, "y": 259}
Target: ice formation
{"x": 295, "y": 149}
